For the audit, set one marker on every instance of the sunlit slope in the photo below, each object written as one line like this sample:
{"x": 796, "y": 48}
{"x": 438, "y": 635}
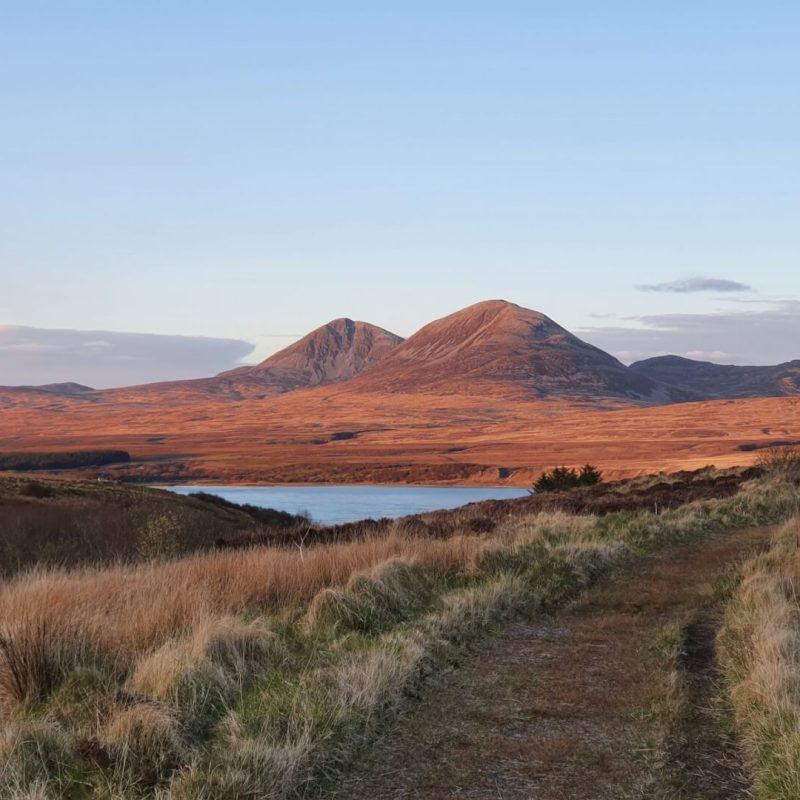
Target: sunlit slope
{"x": 326, "y": 434}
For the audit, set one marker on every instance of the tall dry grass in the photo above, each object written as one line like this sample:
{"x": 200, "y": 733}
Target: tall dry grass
{"x": 51, "y": 620}
{"x": 126, "y": 609}
{"x": 760, "y": 649}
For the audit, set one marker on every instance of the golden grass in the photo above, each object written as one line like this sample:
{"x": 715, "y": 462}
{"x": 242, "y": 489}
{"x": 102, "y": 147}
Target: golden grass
{"x": 760, "y": 649}
{"x": 126, "y": 609}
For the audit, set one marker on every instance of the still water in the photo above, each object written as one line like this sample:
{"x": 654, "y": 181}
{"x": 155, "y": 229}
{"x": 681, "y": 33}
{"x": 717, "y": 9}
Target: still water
{"x": 330, "y": 505}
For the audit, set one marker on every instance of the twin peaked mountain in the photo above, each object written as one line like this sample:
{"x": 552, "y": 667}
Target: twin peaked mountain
{"x": 494, "y": 348}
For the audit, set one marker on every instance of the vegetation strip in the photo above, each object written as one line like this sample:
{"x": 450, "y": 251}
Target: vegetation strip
{"x": 255, "y": 673}
{"x": 75, "y": 459}
{"x": 760, "y": 649}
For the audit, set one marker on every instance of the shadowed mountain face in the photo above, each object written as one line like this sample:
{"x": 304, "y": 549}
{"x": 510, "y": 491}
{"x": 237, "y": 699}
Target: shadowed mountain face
{"x": 706, "y": 381}
{"x": 335, "y": 352}
{"x": 501, "y": 348}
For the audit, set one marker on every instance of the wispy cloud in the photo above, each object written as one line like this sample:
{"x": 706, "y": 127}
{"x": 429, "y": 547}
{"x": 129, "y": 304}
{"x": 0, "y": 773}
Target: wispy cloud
{"x": 696, "y": 285}
{"x": 31, "y": 356}
{"x": 770, "y": 335}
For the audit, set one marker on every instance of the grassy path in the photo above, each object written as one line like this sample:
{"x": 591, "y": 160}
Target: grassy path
{"x": 616, "y": 696}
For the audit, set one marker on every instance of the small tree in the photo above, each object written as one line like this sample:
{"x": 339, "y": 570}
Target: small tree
{"x": 589, "y": 475}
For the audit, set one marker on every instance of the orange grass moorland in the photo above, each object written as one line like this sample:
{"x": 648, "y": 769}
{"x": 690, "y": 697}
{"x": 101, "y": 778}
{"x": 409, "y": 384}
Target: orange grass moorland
{"x": 332, "y": 434}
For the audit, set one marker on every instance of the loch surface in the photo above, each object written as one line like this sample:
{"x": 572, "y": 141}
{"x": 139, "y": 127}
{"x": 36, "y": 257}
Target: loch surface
{"x": 330, "y": 505}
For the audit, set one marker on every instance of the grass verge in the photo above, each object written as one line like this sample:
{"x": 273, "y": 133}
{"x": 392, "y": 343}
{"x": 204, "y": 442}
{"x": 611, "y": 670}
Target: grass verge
{"x": 760, "y": 650}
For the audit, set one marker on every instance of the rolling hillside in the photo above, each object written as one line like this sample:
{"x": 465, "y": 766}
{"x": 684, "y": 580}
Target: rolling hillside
{"x": 703, "y": 380}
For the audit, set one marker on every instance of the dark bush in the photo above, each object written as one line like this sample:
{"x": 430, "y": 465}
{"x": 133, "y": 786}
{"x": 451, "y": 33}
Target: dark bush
{"x": 560, "y": 479}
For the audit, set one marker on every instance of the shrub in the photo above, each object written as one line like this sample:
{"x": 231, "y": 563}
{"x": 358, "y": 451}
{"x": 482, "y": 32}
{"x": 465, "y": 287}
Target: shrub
{"x": 266, "y": 516}
{"x": 560, "y": 479}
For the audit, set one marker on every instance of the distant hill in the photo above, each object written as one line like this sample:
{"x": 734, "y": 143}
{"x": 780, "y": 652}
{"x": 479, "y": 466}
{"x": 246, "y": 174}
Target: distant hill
{"x": 500, "y": 348}
{"x": 55, "y": 388}
{"x": 704, "y": 380}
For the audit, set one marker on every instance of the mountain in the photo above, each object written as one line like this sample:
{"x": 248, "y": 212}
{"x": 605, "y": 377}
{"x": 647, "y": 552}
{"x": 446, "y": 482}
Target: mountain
{"x": 497, "y": 347}
{"x": 707, "y": 381}
{"x": 490, "y": 394}
{"x": 332, "y": 353}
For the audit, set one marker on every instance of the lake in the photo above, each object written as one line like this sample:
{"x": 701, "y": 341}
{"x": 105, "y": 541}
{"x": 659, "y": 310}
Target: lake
{"x": 330, "y": 505}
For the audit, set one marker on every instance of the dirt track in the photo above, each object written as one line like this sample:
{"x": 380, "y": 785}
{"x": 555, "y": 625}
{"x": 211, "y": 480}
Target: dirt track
{"x": 574, "y": 707}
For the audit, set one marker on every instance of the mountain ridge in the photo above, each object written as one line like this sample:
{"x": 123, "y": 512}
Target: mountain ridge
{"x": 494, "y": 347}
{"x": 491, "y": 394}
{"x": 709, "y": 381}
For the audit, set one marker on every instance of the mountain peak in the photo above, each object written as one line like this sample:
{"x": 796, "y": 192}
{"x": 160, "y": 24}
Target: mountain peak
{"x": 500, "y": 347}
{"x": 336, "y": 351}
{"x": 489, "y": 309}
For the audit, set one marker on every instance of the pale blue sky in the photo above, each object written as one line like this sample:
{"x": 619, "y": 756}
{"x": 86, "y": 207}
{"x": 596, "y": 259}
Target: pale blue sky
{"x": 252, "y": 169}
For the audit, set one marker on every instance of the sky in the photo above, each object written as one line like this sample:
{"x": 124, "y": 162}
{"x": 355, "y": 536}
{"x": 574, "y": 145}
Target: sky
{"x": 232, "y": 175}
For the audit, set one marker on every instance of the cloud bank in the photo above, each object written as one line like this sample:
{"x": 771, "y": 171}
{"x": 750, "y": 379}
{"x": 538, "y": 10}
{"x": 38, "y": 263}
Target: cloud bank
{"x": 102, "y": 359}
{"x": 766, "y": 336}
{"x": 696, "y": 285}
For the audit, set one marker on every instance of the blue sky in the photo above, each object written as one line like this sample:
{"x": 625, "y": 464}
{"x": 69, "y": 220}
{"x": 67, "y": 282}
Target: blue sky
{"x": 252, "y": 170}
